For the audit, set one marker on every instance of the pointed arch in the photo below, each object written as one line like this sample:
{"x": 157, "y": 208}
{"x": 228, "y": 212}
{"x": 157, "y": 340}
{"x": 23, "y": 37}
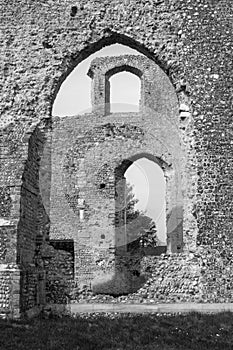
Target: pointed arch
{"x": 109, "y": 38}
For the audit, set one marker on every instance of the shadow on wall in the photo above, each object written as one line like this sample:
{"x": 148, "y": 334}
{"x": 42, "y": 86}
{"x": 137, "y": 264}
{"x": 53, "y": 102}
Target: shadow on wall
{"x": 135, "y": 238}
{"x": 130, "y": 270}
{"x": 33, "y": 227}
{"x": 128, "y": 276}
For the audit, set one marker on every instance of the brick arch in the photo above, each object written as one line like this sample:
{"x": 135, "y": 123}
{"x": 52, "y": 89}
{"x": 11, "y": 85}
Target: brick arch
{"x": 125, "y": 68}
{"x": 174, "y": 233}
{"x": 157, "y": 91}
{"x": 118, "y": 69}
{"x": 103, "y": 68}
{"x": 126, "y": 163}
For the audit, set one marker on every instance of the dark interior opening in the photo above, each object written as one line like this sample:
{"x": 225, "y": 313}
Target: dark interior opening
{"x": 66, "y": 245}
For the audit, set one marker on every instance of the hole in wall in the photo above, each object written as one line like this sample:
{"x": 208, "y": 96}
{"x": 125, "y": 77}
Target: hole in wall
{"x": 136, "y": 273}
{"x": 73, "y": 11}
{"x": 47, "y": 45}
{"x": 63, "y": 244}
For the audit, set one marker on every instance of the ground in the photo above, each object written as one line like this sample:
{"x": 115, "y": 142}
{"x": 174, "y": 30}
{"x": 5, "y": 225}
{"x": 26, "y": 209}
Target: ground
{"x": 116, "y": 331}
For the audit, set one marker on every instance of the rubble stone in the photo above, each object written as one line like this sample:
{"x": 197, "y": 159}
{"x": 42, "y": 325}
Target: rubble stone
{"x": 191, "y": 42}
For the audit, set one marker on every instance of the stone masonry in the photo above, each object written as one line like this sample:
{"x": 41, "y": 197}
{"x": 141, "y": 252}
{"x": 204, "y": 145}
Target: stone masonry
{"x": 87, "y": 150}
{"x": 58, "y": 175}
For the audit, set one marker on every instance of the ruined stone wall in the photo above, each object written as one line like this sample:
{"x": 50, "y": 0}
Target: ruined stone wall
{"x": 191, "y": 40}
{"x": 86, "y": 150}
{"x": 28, "y": 226}
{"x": 21, "y": 211}
{"x": 11, "y": 154}
{"x": 202, "y": 277}
{"x": 59, "y": 267}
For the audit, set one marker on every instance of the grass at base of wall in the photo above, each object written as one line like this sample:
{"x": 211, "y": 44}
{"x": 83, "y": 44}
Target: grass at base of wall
{"x": 120, "y": 332}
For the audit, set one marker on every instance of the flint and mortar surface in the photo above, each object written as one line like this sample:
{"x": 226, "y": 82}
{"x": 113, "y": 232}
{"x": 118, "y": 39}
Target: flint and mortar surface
{"x": 192, "y": 44}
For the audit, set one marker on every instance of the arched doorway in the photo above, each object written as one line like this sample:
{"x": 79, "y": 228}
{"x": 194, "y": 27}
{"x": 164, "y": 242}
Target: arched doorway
{"x": 140, "y": 205}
